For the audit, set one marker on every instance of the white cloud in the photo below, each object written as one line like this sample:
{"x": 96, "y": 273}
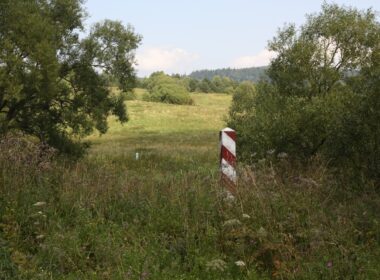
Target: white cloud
{"x": 170, "y": 60}
{"x": 261, "y": 59}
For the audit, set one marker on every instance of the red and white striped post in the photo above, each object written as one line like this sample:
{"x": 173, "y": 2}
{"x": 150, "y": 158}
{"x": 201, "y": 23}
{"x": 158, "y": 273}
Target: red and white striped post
{"x": 227, "y": 138}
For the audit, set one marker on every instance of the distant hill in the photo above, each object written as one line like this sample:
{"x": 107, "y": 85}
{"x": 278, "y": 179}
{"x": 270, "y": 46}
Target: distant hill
{"x": 253, "y": 74}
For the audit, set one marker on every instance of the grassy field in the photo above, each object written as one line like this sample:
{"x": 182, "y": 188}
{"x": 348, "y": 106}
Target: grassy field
{"x": 169, "y": 139}
{"x": 165, "y": 216}
{"x": 170, "y": 130}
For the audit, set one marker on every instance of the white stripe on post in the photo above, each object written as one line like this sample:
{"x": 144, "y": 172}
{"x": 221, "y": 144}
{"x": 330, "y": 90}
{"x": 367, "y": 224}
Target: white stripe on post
{"x": 228, "y": 170}
{"x": 228, "y": 157}
{"x": 229, "y": 143}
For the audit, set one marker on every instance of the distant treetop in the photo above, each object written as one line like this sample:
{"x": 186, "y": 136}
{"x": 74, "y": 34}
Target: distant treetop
{"x": 253, "y": 74}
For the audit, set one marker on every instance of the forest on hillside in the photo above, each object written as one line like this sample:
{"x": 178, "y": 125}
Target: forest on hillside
{"x": 253, "y": 74}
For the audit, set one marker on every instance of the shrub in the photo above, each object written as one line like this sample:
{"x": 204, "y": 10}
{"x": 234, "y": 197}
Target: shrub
{"x": 165, "y": 89}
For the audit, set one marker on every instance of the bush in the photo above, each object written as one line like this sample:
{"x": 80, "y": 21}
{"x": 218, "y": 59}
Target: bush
{"x": 165, "y": 89}
{"x": 169, "y": 93}
{"x": 268, "y": 121}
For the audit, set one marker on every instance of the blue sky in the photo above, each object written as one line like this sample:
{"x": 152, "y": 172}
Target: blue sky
{"x": 180, "y": 36}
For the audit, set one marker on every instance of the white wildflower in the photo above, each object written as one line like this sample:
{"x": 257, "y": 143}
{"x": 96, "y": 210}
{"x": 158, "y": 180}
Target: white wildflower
{"x": 217, "y": 264}
{"x": 262, "y": 232}
{"x": 228, "y": 197}
{"x": 282, "y": 155}
{"x": 240, "y": 263}
{"x": 246, "y": 216}
{"x": 39, "y": 204}
{"x": 232, "y": 223}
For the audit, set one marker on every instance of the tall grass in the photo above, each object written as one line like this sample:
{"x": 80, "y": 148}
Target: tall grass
{"x": 165, "y": 216}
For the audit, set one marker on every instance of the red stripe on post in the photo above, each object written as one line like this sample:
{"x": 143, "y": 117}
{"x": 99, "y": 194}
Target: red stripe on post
{"x": 228, "y": 156}
{"x": 232, "y": 134}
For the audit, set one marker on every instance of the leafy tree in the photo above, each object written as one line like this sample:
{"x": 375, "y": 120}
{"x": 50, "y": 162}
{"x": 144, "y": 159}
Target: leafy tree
{"x": 193, "y": 85}
{"x": 205, "y": 86}
{"x": 54, "y": 85}
{"x": 217, "y": 84}
{"x": 323, "y": 95}
{"x": 317, "y": 58}
{"x": 242, "y": 102}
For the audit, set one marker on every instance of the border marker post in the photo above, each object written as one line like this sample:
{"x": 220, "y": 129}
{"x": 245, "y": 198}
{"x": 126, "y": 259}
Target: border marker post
{"x": 227, "y": 137}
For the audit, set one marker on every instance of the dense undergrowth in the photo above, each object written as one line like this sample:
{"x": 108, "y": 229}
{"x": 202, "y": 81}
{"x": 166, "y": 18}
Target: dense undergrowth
{"x": 166, "y": 217}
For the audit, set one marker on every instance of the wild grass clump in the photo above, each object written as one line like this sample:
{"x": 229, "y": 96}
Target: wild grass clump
{"x": 304, "y": 224}
{"x": 117, "y": 219}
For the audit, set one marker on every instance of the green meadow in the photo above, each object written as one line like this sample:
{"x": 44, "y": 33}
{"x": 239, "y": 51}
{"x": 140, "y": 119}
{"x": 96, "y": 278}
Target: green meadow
{"x": 165, "y": 128}
{"x": 165, "y": 215}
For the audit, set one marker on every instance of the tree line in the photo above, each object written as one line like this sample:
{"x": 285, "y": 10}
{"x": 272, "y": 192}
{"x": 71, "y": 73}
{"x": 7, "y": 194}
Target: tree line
{"x": 176, "y": 89}
{"x": 216, "y": 84}
{"x": 253, "y": 74}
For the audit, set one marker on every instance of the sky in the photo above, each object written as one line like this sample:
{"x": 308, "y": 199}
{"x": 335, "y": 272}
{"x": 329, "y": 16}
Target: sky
{"x": 180, "y": 36}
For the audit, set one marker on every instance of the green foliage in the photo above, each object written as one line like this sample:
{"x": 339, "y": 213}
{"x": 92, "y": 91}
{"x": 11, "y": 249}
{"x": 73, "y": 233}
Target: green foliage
{"x": 216, "y": 85}
{"x": 205, "y": 86}
{"x": 193, "y": 85}
{"x": 315, "y": 59}
{"x": 253, "y": 74}
{"x": 166, "y": 89}
{"x": 54, "y": 85}
{"x": 242, "y": 102}
{"x": 323, "y": 95}
{"x": 357, "y": 143}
